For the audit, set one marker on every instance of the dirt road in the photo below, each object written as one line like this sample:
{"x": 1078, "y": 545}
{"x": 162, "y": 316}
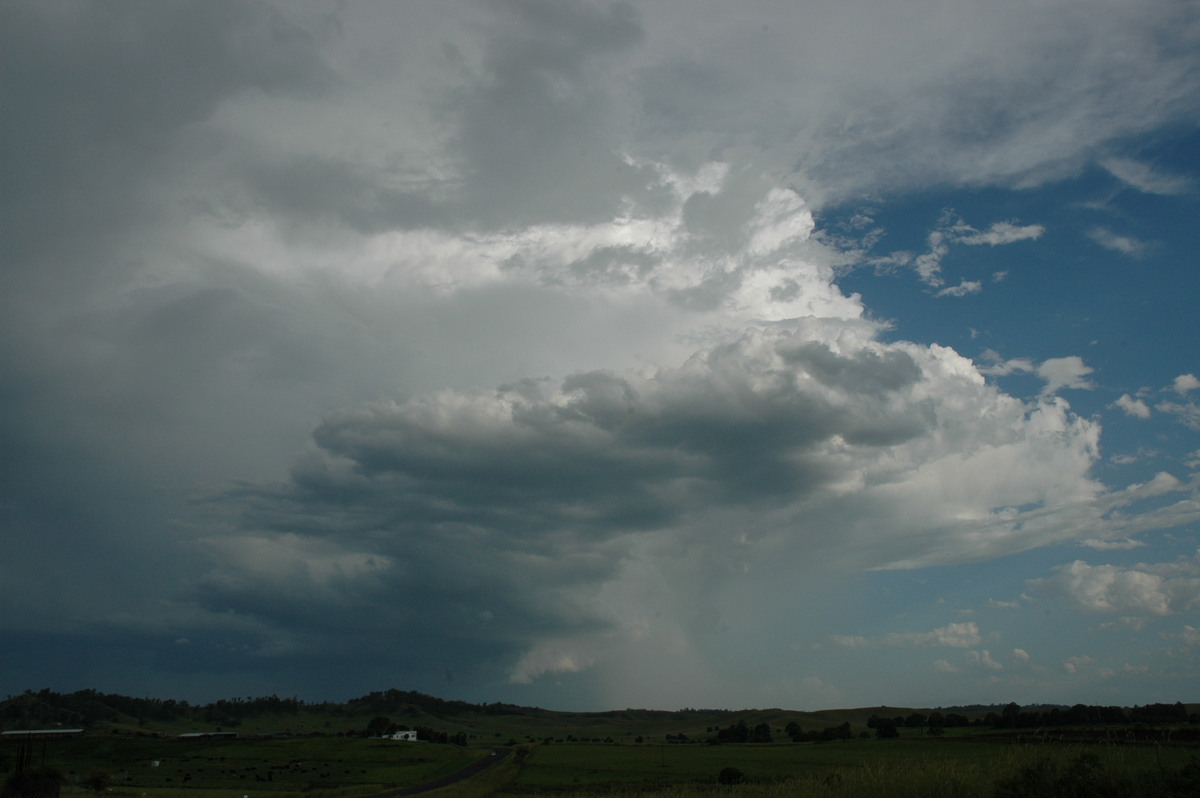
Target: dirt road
{"x": 478, "y": 766}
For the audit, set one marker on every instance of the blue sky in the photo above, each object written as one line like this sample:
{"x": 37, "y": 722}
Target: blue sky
{"x": 597, "y": 355}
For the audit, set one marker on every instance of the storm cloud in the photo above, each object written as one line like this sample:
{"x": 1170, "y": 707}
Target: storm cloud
{"x": 504, "y": 350}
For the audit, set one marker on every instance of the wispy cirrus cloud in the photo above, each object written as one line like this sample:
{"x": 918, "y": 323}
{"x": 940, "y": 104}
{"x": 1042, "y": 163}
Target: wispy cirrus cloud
{"x": 1145, "y": 178}
{"x": 1126, "y": 245}
{"x": 954, "y": 635}
{"x": 953, "y": 230}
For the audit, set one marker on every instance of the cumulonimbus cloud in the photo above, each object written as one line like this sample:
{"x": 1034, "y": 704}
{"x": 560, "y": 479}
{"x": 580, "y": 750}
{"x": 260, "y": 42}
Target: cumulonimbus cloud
{"x": 816, "y": 442}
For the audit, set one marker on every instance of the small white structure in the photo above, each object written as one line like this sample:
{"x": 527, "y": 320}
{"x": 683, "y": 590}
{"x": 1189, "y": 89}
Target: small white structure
{"x": 408, "y": 735}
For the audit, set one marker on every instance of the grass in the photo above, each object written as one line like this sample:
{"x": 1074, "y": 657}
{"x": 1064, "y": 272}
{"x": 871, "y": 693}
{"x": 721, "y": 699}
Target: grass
{"x": 222, "y": 768}
{"x": 346, "y": 767}
{"x": 827, "y": 770}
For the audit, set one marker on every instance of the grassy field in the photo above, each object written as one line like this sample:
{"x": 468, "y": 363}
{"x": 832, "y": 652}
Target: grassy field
{"x": 341, "y": 767}
{"x": 223, "y": 768}
{"x": 896, "y": 767}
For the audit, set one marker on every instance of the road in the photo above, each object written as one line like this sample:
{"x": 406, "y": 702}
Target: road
{"x": 478, "y": 766}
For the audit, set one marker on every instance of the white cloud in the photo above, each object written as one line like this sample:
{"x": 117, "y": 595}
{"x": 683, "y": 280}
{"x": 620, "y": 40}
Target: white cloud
{"x": 998, "y": 367}
{"x": 1185, "y": 383}
{"x": 1187, "y": 413}
{"x": 1020, "y": 655}
{"x": 944, "y": 666}
{"x": 999, "y": 233}
{"x": 1126, "y": 245}
{"x": 1133, "y": 407}
{"x": 1075, "y": 664}
{"x": 1145, "y": 589}
{"x": 965, "y": 288}
{"x": 952, "y": 230}
{"x": 1146, "y": 178}
{"x": 1064, "y": 372}
{"x": 929, "y": 265}
{"x": 983, "y": 659}
{"x": 1112, "y": 545}
{"x": 1058, "y": 372}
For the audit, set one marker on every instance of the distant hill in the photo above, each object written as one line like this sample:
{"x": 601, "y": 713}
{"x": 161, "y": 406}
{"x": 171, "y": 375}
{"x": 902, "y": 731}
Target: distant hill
{"x": 91, "y": 709}
{"x": 119, "y": 714}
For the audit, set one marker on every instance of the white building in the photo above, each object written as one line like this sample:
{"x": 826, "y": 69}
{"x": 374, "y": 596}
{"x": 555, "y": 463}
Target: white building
{"x": 407, "y": 735}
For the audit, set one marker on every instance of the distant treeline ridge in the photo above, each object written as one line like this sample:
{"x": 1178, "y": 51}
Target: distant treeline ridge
{"x": 85, "y": 708}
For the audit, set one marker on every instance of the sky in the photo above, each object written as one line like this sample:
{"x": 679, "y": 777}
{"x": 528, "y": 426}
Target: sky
{"x": 590, "y": 355}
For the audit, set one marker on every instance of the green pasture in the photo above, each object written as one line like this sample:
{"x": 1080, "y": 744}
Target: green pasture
{"x": 221, "y": 768}
{"x": 349, "y": 767}
{"x": 911, "y": 766}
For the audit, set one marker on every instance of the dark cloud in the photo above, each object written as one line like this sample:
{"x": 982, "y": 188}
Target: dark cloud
{"x": 866, "y": 372}
{"x": 97, "y": 96}
{"x": 311, "y": 190}
{"x": 507, "y": 505}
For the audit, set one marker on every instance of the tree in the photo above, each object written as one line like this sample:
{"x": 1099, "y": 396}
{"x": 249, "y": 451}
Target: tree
{"x": 378, "y": 726}
{"x": 885, "y": 729}
{"x": 1009, "y": 715}
{"x": 736, "y": 733}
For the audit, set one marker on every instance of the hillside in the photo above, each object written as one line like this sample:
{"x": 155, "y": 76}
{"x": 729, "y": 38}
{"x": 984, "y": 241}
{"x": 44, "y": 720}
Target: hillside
{"x": 376, "y": 711}
{"x": 93, "y": 710}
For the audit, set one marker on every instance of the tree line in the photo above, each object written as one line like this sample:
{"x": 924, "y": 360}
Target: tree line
{"x": 1014, "y": 717}
{"x": 84, "y": 708}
